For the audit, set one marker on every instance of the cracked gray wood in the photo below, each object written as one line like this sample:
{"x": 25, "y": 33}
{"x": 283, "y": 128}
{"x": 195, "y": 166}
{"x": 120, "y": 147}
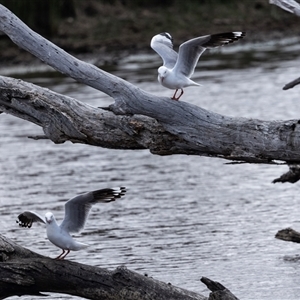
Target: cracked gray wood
{"x": 292, "y": 176}
{"x": 136, "y": 120}
{"x": 289, "y": 235}
{"x": 140, "y": 120}
{"x": 23, "y": 272}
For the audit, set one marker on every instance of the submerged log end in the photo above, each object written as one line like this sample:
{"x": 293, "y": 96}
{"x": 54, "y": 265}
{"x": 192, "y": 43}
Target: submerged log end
{"x": 219, "y": 291}
{"x": 289, "y": 235}
{"x": 291, "y": 84}
{"x": 292, "y": 176}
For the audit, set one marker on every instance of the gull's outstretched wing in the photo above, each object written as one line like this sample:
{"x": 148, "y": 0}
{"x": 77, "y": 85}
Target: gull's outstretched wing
{"x": 288, "y": 5}
{"x": 77, "y": 209}
{"x": 26, "y": 218}
{"x": 190, "y": 51}
{"x": 163, "y": 44}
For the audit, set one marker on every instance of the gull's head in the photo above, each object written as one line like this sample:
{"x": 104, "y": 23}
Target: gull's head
{"x": 49, "y": 217}
{"x": 162, "y": 73}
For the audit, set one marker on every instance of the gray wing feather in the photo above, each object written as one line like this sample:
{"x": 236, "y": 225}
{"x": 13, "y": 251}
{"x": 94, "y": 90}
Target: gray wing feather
{"x": 190, "y": 51}
{"x": 164, "y": 48}
{"x": 189, "y": 54}
{"x": 26, "y": 218}
{"x": 77, "y": 209}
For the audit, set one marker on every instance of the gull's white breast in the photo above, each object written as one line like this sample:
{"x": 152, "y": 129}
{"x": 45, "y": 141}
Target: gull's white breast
{"x": 62, "y": 238}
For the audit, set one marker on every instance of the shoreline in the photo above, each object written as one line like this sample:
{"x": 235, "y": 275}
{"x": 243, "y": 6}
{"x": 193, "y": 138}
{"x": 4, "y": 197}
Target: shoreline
{"x": 103, "y": 58}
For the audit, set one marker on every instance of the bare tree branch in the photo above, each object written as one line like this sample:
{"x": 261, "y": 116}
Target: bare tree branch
{"x": 289, "y": 235}
{"x": 292, "y": 176}
{"x": 137, "y": 119}
{"x": 63, "y": 62}
{"x": 164, "y": 126}
{"x": 23, "y": 272}
{"x": 218, "y": 290}
{"x": 291, "y": 84}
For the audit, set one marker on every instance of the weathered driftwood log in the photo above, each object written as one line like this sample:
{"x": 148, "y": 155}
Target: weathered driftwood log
{"x": 291, "y": 84}
{"x": 23, "y": 272}
{"x": 147, "y": 121}
{"x": 219, "y": 291}
{"x": 292, "y": 176}
{"x": 289, "y": 235}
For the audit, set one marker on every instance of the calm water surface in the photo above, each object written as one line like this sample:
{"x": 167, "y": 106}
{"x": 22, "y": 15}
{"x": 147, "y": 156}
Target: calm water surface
{"x": 184, "y": 217}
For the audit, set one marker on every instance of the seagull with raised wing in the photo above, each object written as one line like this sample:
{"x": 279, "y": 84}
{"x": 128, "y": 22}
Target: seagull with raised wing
{"x": 179, "y": 67}
{"x": 76, "y": 213}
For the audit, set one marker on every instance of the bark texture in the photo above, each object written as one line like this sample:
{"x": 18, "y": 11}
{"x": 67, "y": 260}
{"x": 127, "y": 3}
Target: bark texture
{"x": 292, "y": 176}
{"x": 291, "y": 84}
{"x": 23, "y": 272}
{"x": 289, "y": 235}
{"x": 137, "y": 120}
{"x": 218, "y": 290}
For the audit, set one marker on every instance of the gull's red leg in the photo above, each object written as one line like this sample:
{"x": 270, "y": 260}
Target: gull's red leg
{"x": 68, "y": 251}
{"x": 59, "y": 256}
{"x": 174, "y": 96}
{"x": 179, "y": 95}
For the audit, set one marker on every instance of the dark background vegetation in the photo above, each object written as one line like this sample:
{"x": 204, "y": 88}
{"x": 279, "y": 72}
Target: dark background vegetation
{"x": 97, "y": 26}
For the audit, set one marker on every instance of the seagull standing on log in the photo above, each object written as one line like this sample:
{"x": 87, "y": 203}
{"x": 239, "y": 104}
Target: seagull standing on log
{"x": 76, "y": 213}
{"x": 179, "y": 67}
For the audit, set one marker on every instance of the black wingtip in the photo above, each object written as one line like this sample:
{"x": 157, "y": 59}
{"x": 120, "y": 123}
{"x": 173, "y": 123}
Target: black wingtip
{"x": 221, "y": 39}
{"x": 229, "y": 37}
{"x": 120, "y": 192}
{"x": 109, "y": 194}
{"x": 167, "y": 35}
{"x": 23, "y": 221}
{"x": 123, "y": 190}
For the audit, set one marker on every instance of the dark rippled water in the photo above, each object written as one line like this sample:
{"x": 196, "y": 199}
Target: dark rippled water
{"x": 184, "y": 217}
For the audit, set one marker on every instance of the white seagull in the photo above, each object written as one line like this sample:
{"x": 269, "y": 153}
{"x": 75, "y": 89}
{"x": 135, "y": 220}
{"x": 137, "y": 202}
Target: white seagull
{"x": 76, "y": 213}
{"x": 179, "y": 67}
